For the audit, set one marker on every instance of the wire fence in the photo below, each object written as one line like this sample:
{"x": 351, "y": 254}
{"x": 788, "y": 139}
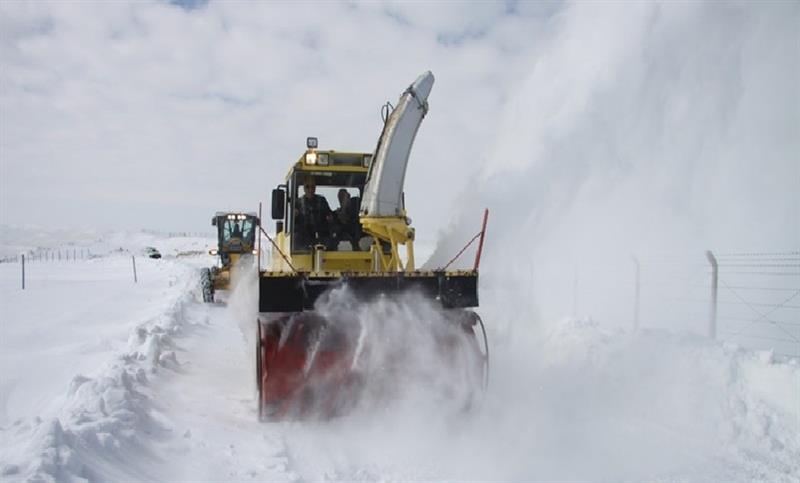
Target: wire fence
{"x": 751, "y": 299}
{"x": 759, "y": 298}
{"x": 52, "y": 255}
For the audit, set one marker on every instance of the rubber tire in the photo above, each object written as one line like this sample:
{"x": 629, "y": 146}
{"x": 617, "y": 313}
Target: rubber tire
{"x": 259, "y": 368}
{"x": 207, "y": 285}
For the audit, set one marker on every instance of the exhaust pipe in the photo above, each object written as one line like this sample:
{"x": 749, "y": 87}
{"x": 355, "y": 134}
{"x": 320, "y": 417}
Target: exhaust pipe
{"x": 319, "y": 252}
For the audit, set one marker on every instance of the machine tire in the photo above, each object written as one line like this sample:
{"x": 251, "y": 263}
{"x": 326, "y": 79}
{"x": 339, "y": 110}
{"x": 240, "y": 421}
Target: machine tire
{"x": 207, "y": 285}
{"x": 259, "y": 371}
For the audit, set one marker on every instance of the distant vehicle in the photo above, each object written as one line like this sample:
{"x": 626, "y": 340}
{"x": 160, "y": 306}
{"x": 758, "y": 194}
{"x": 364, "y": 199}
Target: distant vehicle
{"x": 236, "y": 238}
{"x": 152, "y": 252}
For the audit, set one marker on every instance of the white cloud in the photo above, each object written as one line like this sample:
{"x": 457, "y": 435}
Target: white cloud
{"x": 644, "y": 128}
{"x": 125, "y": 105}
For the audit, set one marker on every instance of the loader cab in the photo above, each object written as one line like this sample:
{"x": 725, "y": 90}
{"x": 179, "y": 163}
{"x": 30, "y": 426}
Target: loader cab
{"x": 323, "y": 192}
{"x": 236, "y": 234}
{"x": 325, "y": 210}
{"x": 326, "y": 219}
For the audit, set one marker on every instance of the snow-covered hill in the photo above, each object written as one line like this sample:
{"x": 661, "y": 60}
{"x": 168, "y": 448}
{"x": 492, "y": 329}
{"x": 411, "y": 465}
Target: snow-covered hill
{"x": 104, "y": 379}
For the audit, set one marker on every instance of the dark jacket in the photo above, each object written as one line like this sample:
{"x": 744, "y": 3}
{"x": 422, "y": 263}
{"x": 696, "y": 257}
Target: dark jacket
{"x": 312, "y": 217}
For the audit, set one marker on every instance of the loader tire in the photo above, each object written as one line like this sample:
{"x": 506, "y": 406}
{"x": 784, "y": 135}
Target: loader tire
{"x": 207, "y": 285}
{"x": 259, "y": 372}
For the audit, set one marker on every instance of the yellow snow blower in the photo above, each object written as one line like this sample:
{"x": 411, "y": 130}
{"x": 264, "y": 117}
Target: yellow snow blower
{"x": 306, "y": 363}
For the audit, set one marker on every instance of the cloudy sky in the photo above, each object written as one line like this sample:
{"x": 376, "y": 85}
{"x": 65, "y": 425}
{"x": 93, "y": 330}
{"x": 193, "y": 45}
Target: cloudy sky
{"x": 156, "y": 114}
{"x": 648, "y": 121}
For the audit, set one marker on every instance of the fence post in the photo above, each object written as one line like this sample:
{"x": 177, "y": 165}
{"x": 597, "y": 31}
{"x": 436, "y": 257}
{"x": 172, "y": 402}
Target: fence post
{"x": 22, "y": 257}
{"x": 712, "y": 316}
{"x": 637, "y": 294}
{"x": 133, "y": 259}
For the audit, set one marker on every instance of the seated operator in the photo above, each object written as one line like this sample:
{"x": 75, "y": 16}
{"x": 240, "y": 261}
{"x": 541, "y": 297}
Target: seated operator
{"x": 347, "y": 226}
{"x": 237, "y": 230}
{"x": 312, "y": 217}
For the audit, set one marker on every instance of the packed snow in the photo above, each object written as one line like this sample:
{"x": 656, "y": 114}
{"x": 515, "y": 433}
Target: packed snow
{"x": 633, "y": 130}
{"x": 105, "y": 379}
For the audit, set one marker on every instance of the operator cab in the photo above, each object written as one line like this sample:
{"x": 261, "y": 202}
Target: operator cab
{"x": 325, "y": 211}
{"x": 236, "y": 233}
{"x": 319, "y": 204}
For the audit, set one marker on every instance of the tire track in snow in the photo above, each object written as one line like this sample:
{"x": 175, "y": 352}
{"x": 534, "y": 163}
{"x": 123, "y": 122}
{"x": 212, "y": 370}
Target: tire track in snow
{"x": 211, "y": 403}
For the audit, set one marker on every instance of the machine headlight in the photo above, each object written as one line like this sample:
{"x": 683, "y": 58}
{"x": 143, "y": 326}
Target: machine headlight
{"x": 213, "y": 251}
{"x": 311, "y": 143}
{"x": 367, "y": 160}
{"x": 255, "y": 252}
{"x": 322, "y": 159}
{"x": 311, "y": 158}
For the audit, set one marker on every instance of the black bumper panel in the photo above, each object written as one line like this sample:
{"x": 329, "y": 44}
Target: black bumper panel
{"x": 298, "y": 292}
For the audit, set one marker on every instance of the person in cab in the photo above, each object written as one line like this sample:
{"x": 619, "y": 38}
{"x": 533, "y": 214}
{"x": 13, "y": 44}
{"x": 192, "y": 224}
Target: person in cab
{"x": 313, "y": 217}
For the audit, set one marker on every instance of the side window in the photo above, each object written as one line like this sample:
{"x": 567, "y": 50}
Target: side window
{"x": 227, "y": 230}
{"x": 247, "y": 229}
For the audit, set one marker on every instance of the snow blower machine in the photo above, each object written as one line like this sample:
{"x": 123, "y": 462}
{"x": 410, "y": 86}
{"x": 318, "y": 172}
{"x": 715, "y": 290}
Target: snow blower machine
{"x": 311, "y": 363}
{"x": 236, "y": 236}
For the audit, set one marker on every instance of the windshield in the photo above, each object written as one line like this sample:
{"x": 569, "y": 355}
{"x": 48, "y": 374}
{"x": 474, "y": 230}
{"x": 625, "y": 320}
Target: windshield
{"x": 239, "y": 229}
{"x": 326, "y": 211}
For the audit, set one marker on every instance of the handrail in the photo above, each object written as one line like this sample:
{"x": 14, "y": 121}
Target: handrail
{"x": 277, "y": 248}
{"x": 480, "y": 245}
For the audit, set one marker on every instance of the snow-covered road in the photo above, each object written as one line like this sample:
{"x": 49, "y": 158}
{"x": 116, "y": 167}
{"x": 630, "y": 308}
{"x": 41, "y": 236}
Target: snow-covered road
{"x": 210, "y": 405}
{"x": 106, "y": 380}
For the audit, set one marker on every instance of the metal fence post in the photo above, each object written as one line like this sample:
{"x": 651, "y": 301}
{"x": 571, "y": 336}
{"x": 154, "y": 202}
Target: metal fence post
{"x": 712, "y": 316}
{"x": 133, "y": 259}
{"x": 636, "y": 296}
{"x": 22, "y": 257}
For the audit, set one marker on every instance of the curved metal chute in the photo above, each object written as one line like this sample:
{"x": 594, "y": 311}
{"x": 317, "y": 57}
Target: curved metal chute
{"x": 383, "y": 192}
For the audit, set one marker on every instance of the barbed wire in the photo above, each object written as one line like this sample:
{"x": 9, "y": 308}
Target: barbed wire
{"x": 777, "y": 274}
{"x": 758, "y": 254}
{"x": 760, "y": 265}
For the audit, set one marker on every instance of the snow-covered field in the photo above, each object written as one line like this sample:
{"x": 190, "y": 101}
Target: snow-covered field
{"x": 104, "y": 379}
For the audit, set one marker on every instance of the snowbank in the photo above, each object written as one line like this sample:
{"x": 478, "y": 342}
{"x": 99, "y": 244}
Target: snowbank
{"x": 102, "y": 428}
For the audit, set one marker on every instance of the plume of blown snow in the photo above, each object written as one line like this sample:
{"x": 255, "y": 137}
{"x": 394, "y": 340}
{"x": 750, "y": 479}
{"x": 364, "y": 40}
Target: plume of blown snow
{"x": 652, "y": 128}
{"x": 409, "y": 352}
